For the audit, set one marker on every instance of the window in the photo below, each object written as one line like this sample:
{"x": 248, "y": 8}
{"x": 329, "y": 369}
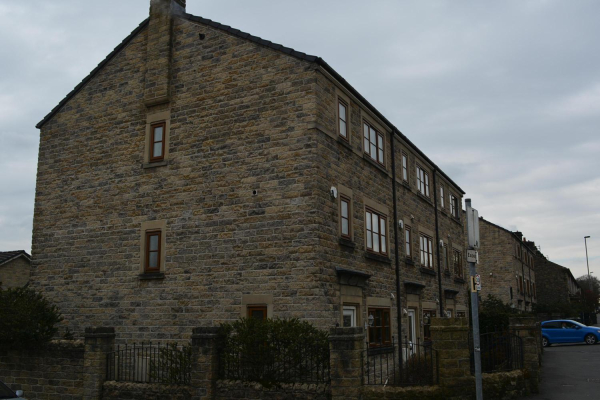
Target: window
{"x": 157, "y": 142}
{"x": 446, "y": 261}
{"x": 520, "y": 284}
{"x": 461, "y": 314}
{"x": 427, "y": 315}
{"x": 153, "y": 252}
{"x": 342, "y": 115}
{"x": 257, "y": 312}
{"x": 373, "y": 143}
{"x": 426, "y": 251}
{"x": 533, "y": 289}
{"x": 511, "y": 293}
{"x": 345, "y": 217}
{"x": 376, "y": 232}
{"x": 457, "y": 261}
{"x": 405, "y": 167}
{"x": 528, "y": 288}
{"x": 407, "y": 241}
{"x": 453, "y": 206}
{"x": 422, "y": 181}
{"x": 442, "y": 196}
{"x": 380, "y": 332}
{"x": 349, "y": 316}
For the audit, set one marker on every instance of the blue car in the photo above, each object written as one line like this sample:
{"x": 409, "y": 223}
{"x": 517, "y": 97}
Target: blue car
{"x": 568, "y": 331}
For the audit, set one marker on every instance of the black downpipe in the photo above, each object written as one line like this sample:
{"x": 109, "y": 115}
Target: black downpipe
{"x": 437, "y": 241}
{"x": 396, "y": 252}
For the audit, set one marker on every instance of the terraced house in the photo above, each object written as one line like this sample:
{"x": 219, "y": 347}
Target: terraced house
{"x": 507, "y": 266}
{"x": 200, "y": 174}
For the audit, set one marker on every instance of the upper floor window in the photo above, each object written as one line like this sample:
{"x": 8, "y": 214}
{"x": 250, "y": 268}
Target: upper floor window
{"x": 453, "y": 206}
{"x": 426, "y": 251}
{"x": 343, "y": 119}
{"x": 442, "y": 196}
{"x": 376, "y": 232}
{"x": 446, "y": 260}
{"x": 422, "y": 181}
{"x": 157, "y": 142}
{"x": 404, "y": 167}
{"x": 373, "y": 143}
{"x": 407, "y": 241}
{"x": 457, "y": 261}
{"x": 345, "y": 216}
{"x": 153, "y": 251}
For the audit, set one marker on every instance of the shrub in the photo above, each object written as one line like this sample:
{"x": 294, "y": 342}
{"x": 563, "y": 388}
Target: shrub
{"x": 273, "y": 351}
{"x": 173, "y": 365}
{"x": 27, "y": 319}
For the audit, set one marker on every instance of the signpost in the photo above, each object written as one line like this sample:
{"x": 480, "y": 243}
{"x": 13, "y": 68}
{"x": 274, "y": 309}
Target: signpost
{"x": 472, "y": 260}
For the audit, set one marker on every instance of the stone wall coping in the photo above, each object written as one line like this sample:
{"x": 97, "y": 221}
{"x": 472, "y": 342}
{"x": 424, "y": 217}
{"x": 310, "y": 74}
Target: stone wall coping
{"x": 205, "y": 331}
{"x": 91, "y": 332}
{"x": 283, "y": 387}
{"x": 354, "y": 331}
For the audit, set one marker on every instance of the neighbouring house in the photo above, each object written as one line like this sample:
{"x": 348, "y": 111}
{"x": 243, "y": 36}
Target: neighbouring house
{"x": 507, "y": 266}
{"x": 200, "y": 174}
{"x": 556, "y": 284}
{"x": 15, "y": 267}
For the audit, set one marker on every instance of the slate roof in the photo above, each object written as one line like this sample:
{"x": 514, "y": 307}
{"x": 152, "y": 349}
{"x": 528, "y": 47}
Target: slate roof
{"x": 6, "y": 256}
{"x": 262, "y": 42}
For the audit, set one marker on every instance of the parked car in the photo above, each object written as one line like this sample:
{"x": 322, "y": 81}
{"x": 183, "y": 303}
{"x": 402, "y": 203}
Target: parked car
{"x": 568, "y": 331}
{"x": 7, "y": 393}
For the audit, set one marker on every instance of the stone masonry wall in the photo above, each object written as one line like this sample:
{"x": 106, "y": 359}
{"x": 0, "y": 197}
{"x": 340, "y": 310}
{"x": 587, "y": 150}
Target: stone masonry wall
{"x": 240, "y": 118}
{"x": 344, "y": 165}
{"x": 15, "y": 273}
{"x": 552, "y": 282}
{"x": 499, "y": 267}
{"x": 55, "y": 372}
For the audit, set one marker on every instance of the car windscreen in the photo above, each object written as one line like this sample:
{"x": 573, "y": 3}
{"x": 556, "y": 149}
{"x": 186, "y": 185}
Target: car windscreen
{"x": 6, "y": 393}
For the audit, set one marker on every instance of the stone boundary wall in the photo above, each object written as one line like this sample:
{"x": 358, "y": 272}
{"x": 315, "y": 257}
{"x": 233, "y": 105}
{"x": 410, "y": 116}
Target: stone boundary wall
{"x": 497, "y": 386}
{"x": 226, "y": 390}
{"x": 145, "y": 391}
{"x": 53, "y": 372}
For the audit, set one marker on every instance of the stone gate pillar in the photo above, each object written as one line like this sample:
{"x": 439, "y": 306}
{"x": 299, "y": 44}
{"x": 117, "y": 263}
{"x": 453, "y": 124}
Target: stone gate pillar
{"x": 98, "y": 343}
{"x": 346, "y": 346}
{"x": 530, "y": 333}
{"x": 205, "y": 361}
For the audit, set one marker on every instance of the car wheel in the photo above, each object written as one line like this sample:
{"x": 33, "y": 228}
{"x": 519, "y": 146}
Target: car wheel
{"x": 590, "y": 339}
{"x": 545, "y": 342}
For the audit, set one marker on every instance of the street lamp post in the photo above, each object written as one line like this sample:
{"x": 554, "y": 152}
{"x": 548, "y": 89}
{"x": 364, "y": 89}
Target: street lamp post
{"x": 585, "y": 238}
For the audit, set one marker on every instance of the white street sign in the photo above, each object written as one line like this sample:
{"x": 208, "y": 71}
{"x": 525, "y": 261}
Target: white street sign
{"x": 472, "y": 256}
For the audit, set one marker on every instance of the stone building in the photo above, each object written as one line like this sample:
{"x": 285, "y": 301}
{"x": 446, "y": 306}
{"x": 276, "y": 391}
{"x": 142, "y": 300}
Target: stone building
{"x": 15, "y": 267}
{"x": 556, "y": 284}
{"x": 200, "y": 174}
{"x": 507, "y": 266}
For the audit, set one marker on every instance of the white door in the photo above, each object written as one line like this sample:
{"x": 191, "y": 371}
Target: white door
{"x": 349, "y": 316}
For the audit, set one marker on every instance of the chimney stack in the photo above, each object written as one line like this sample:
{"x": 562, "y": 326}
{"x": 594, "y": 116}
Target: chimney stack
{"x": 158, "y": 50}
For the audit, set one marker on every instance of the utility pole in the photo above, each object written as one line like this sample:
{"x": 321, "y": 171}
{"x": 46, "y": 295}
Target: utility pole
{"x": 472, "y": 259}
{"x": 591, "y": 296}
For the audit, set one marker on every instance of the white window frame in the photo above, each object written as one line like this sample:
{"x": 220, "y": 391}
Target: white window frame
{"x": 351, "y": 311}
{"x": 422, "y": 181}
{"x": 426, "y": 251}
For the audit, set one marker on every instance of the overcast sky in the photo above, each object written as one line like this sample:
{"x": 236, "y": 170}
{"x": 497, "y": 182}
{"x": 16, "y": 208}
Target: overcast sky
{"x": 504, "y": 96}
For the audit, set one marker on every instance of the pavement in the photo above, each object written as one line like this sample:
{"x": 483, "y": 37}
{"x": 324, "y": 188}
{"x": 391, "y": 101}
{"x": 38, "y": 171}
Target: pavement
{"x": 570, "y": 372}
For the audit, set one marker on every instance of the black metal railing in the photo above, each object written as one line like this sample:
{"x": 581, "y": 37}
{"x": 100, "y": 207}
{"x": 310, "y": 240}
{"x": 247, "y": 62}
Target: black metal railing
{"x": 501, "y": 351}
{"x": 273, "y": 362}
{"x": 148, "y": 363}
{"x": 382, "y": 366}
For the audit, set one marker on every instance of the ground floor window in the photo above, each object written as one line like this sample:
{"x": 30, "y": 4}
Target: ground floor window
{"x": 461, "y": 314}
{"x": 257, "y": 312}
{"x": 380, "y": 333}
{"x": 427, "y": 315}
{"x": 349, "y": 316}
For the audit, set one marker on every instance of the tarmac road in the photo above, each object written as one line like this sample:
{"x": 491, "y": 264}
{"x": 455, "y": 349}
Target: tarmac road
{"x": 570, "y": 372}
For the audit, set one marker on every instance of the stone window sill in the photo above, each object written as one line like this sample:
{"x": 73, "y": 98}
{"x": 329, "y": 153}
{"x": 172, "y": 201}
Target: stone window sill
{"x": 459, "y": 280}
{"x": 386, "y": 348}
{"x": 377, "y": 257}
{"x": 409, "y": 261}
{"x": 368, "y": 158}
{"x": 151, "y": 276}
{"x": 344, "y": 142}
{"x": 424, "y": 198}
{"x": 155, "y": 164}
{"x": 347, "y": 243}
{"x": 406, "y": 184}
{"x": 428, "y": 271}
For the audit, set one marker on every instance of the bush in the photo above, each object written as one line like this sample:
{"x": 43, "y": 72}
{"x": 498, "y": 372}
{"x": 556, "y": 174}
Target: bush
{"x": 494, "y": 315}
{"x": 273, "y": 351}
{"x": 27, "y": 319}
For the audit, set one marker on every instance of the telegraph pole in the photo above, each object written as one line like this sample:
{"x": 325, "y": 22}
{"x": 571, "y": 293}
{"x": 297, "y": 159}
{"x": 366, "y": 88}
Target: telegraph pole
{"x": 472, "y": 260}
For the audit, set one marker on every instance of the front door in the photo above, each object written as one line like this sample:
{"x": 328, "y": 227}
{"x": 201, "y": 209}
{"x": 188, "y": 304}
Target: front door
{"x": 412, "y": 331}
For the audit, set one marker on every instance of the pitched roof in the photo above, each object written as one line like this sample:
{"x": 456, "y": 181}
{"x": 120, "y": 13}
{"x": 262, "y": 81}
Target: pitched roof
{"x": 262, "y": 42}
{"x": 6, "y": 256}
